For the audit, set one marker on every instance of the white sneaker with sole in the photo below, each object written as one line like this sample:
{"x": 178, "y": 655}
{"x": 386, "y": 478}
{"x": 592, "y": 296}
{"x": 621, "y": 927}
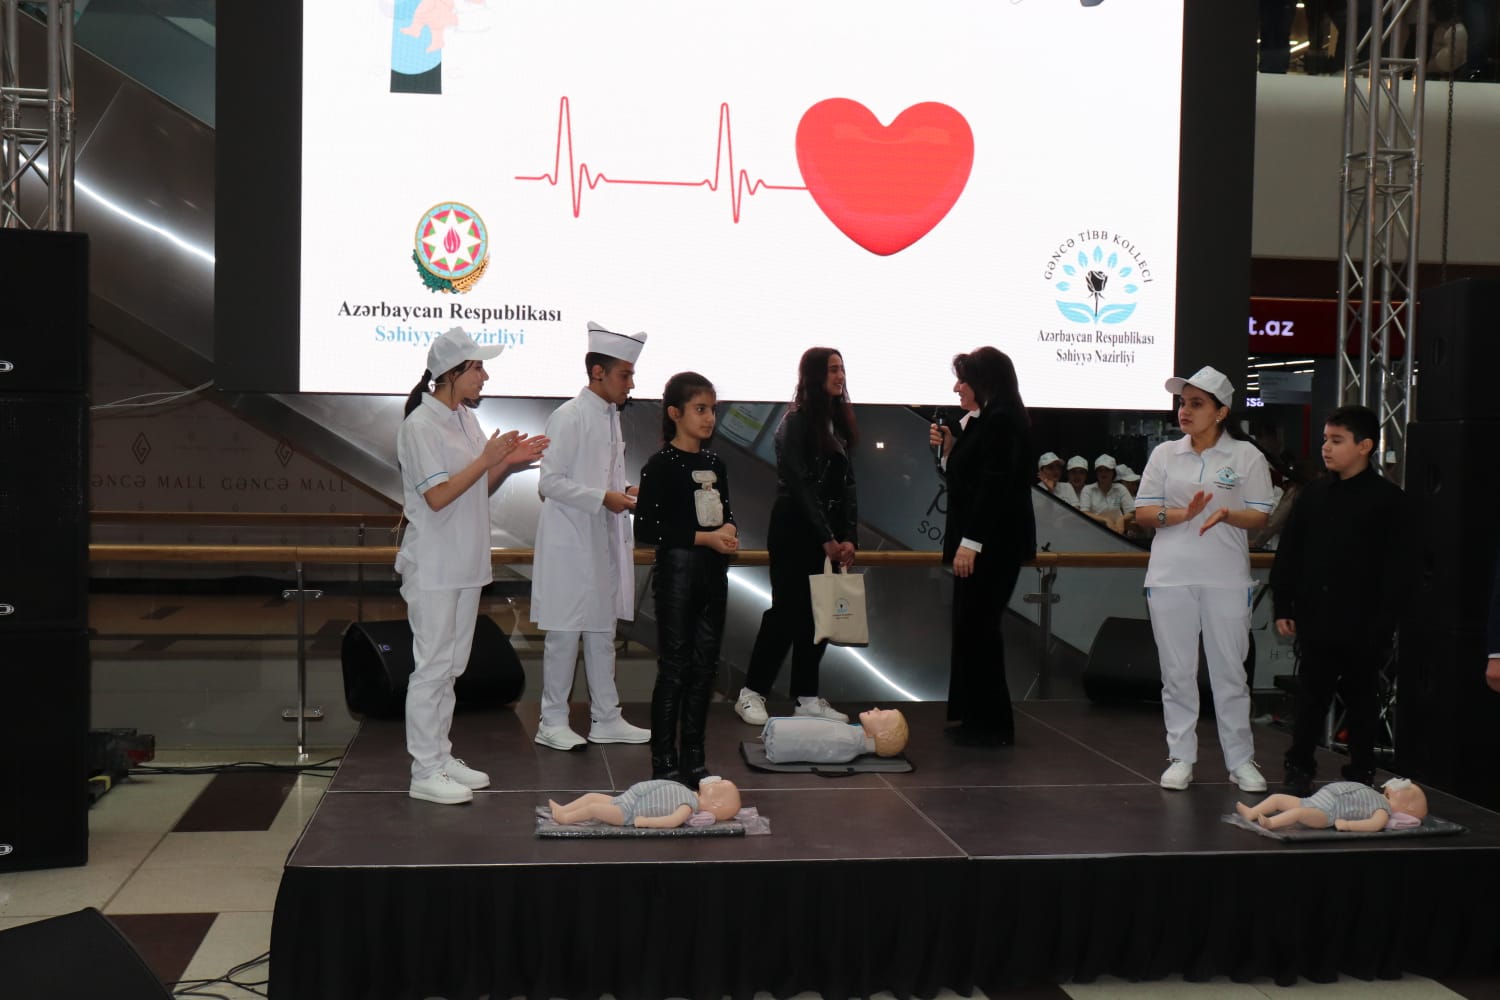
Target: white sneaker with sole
{"x": 1248, "y": 777}
{"x": 617, "y": 730}
{"x": 751, "y": 707}
{"x": 1178, "y": 775}
{"x": 819, "y": 709}
{"x": 440, "y": 789}
{"x": 558, "y": 737}
{"x": 465, "y": 775}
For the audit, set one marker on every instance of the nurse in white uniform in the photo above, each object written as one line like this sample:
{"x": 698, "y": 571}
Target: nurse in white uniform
{"x": 1203, "y": 494}
{"x": 448, "y": 471}
{"x": 583, "y": 579}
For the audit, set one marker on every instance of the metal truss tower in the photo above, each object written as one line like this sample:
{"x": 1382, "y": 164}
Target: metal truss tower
{"x": 1384, "y": 90}
{"x": 36, "y": 124}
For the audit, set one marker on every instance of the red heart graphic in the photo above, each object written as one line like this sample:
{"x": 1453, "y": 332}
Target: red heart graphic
{"x": 884, "y": 186}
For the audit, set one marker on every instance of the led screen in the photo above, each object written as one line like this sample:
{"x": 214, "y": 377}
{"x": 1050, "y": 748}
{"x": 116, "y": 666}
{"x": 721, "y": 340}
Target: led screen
{"x": 902, "y": 181}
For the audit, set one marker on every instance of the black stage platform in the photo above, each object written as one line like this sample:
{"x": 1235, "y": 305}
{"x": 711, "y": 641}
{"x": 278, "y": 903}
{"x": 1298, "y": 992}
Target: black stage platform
{"x": 1058, "y": 859}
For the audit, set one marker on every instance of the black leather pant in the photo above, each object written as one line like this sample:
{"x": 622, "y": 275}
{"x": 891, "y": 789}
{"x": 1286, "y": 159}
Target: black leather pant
{"x": 690, "y": 587}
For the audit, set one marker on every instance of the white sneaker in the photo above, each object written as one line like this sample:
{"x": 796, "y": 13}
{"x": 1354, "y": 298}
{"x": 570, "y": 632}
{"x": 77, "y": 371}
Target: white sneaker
{"x": 1178, "y": 775}
{"x": 1248, "y": 777}
{"x": 751, "y": 707}
{"x": 465, "y": 775}
{"x": 819, "y": 709}
{"x": 617, "y": 730}
{"x": 440, "y": 789}
{"x": 558, "y": 737}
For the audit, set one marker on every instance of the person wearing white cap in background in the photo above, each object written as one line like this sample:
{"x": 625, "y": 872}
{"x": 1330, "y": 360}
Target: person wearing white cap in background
{"x": 448, "y": 471}
{"x": 1106, "y": 500}
{"x": 583, "y": 576}
{"x": 1049, "y": 478}
{"x": 1128, "y": 478}
{"x": 1078, "y": 475}
{"x": 1204, "y": 493}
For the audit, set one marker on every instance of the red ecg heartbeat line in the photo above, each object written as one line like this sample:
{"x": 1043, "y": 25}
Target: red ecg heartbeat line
{"x": 581, "y": 178}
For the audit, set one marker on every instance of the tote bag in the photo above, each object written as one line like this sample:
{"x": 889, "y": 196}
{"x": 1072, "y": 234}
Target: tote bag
{"x": 838, "y": 607}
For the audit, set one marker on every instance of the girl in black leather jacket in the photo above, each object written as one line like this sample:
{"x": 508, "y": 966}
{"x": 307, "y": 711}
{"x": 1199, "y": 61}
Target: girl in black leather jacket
{"x": 814, "y": 518}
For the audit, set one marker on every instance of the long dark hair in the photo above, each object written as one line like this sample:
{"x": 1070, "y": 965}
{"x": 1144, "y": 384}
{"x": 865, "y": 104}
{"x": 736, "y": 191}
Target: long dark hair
{"x": 414, "y": 398}
{"x": 991, "y": 374}
{"x": 680, "y": 389}
{"x": 820, "y": 409}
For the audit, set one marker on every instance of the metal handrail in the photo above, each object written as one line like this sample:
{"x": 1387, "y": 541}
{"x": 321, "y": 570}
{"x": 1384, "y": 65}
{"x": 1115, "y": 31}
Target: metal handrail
{"x": 300, "y": 555}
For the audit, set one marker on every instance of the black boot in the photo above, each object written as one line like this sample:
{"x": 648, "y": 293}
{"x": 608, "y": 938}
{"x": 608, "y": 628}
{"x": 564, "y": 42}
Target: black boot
{"x": 1298, "y": 780}
{"x": 1354, "y": 772}
{"x": 667, "y": 767}
{"x": 696, "y": 693}
{"x": 666, "y": 706}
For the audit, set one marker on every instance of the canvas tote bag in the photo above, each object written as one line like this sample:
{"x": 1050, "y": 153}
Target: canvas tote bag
{"x": 838, "y": 607}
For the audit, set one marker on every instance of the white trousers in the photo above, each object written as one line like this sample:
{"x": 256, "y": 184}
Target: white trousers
{"x": 560, "y": 663}
{"x": 442, "y": 628}
{"x": 1222, "y": 616}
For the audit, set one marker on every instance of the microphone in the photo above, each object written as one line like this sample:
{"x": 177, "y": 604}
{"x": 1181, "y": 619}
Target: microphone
{"x": 940, "y": 418}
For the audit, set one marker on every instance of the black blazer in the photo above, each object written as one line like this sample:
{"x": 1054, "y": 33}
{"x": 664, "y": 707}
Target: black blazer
{"x": 989, "y": 489}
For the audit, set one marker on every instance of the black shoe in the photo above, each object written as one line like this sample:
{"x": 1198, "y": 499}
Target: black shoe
{"x": 971, "y": 736}
{"x": 1298, "y": 781}
{"x": 1363, "y": 775}
{"x": 694, "y": 766}
{"x": 666, "y": 767}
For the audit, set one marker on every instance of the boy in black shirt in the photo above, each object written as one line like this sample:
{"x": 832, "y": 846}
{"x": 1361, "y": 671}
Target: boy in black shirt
{"x": 1337, "y": 581}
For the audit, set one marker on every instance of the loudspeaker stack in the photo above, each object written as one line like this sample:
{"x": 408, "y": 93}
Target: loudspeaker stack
{"x": 44, "y": 656}
{"x": 1447, "y": 719}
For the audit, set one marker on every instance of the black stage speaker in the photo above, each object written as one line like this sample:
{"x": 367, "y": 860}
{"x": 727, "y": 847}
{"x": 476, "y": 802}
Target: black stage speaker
{"x": 78, "y": 956}
{"x": 1458, "y": 350}
{"x": 1123, "y": 665}
{"x": 44, "y": 284}
{"x": 43, "y": 511}
{"x": 1447, "y": 718}
{"x": 44, "y": 779}
{"x": 377, "y": 661}
{"x": 1450, "y": 483}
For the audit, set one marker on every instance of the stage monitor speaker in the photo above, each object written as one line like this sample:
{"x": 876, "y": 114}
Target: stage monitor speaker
{"x": 1123, "y": 665}
{"x": 1447, "y": 718}
{"x": 1453, "y": 528}
{"x": 1458, "y": 351}
{"x": 44, "y": 285}
{"x": 44, "y": 780}
{"x": 377, "y": 661}
{"x": 77, "y": 956}
{"x": 43, "y": 512}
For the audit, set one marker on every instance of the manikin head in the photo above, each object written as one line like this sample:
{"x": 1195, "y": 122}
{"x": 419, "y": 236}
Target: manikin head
{"x": 887, "y": 727}
{"x": 719, "y": 796}
{"x": 1405, "y": 797}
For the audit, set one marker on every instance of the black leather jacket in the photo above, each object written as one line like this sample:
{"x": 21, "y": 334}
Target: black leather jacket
{"x": 821, "y": 484}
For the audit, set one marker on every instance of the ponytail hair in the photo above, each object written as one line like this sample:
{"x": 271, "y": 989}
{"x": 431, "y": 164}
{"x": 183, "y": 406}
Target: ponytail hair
{"x": 414, "y": 399}
{"x": 680, "y": 389}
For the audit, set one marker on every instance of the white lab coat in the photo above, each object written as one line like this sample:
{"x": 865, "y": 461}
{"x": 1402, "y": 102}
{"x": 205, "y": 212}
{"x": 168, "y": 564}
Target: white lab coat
{"x": 583, "y": 578}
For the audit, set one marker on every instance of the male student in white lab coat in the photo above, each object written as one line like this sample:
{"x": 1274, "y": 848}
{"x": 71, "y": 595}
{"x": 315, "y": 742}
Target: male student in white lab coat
{"x": 583, "y": 578}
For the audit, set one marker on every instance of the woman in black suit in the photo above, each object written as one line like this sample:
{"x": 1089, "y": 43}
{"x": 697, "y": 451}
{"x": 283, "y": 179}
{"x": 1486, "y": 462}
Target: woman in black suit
{"x": 990, "y": 532}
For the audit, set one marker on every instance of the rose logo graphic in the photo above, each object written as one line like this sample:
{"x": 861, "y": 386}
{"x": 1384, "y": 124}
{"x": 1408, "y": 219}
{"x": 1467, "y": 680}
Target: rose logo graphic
{"x": 1096, "y": 271}
{"x": 452, "y": 247}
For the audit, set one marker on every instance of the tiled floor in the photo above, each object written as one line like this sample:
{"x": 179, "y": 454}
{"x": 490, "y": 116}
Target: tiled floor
{"x": 187, "y": 865}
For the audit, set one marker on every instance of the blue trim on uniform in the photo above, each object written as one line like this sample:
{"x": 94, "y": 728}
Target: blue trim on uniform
{"x": 430, "y": 479}
{"x": 1139, "y": 499}
{"x": 1259, "y": 503}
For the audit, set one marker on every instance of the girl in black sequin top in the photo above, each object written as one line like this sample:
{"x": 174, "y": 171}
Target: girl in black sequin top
{"x": 683, "y": 509}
